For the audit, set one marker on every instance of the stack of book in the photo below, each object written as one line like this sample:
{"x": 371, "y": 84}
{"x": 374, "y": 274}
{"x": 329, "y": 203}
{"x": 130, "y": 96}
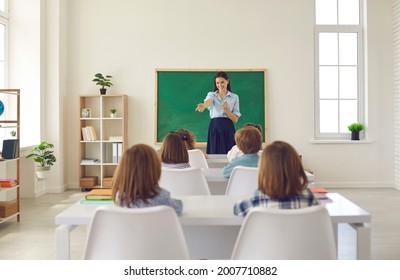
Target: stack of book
{"x": 319, "y": 193}
{"x": 98, "y": 196}
{"x": 8, "y": 183}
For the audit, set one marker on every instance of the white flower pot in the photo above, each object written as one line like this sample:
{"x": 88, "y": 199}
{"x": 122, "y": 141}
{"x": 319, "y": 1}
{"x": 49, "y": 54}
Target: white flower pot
{"x": 42, "y": 172}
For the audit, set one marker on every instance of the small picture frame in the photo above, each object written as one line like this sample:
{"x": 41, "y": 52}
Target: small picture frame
{"x": 86, "y": 113}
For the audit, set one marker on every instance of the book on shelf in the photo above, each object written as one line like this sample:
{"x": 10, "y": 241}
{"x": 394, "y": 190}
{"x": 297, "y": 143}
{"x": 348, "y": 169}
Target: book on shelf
{"x": 89, "y": 133}
{"x": 10, "y": 149}
{"x": 8, "y": 183}
{"x": 115, "y": 138}
{"x": 116, "y": 152}
{"x": 99, "y": 194}
{"x": 319, "y": 193}
{"x": 89, "y": 160}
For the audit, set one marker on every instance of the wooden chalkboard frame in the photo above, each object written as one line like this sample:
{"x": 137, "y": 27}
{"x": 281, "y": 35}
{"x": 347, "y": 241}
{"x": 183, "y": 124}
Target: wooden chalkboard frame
{"x": 160, "y": 106}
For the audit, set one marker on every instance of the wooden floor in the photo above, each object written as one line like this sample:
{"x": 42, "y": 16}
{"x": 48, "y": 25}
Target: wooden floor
{"x": 34, "y": 239}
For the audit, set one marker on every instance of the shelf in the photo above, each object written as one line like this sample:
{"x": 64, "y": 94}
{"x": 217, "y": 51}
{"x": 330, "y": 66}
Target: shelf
{"x": 10, "y": 120}
{"x": 98, "y": 108}
{"x": 2, "y": 220}
{"x": 4, "y": 190}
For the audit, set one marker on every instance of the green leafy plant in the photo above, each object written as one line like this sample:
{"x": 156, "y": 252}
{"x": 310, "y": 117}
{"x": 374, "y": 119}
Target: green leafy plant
{"x": 102, "y": 80}
{"x": 113, "y": 111}
{"x": 355, "y": 127}
{"x": 43, "y": 154}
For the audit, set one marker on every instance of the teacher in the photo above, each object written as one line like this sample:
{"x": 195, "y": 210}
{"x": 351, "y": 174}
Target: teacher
{"x": 224, "y": 112}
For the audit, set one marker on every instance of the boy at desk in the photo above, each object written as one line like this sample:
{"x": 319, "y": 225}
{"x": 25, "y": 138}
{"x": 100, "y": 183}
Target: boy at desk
{"x": 248, "y": 139}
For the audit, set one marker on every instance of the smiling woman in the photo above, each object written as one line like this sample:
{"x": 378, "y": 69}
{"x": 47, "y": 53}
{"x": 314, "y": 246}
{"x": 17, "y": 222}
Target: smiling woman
{"x": 224, "y": 112}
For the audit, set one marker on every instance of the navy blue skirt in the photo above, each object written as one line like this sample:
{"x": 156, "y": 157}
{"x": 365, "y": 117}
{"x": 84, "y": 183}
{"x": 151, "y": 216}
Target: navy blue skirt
{"x": 221, "y": 136}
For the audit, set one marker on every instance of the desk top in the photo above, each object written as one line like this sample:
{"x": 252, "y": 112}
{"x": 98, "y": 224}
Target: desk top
{"x": 215, "y": 175}
{"x": 218, "y": 210}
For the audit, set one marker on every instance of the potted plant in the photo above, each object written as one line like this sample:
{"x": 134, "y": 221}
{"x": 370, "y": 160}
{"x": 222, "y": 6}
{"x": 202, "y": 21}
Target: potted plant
{"x": 113, "y": 113}
{"x": 44, "y": 155}
{"x": 103, "y": 81}
{"x": 355, "y": 129}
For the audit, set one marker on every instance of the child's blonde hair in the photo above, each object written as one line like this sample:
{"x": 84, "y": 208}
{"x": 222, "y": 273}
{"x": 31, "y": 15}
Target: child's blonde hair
{"x": 137, "y": 175}
{"x": 248, "y": 139}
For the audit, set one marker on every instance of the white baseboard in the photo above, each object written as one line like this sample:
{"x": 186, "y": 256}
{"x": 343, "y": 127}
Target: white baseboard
{"x": 56, "y": 189}
{"x": 354, "y": 185}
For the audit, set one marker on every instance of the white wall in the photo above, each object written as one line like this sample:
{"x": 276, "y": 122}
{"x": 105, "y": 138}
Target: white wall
{"x": 396, "y": 88}
{"x": 130, "y": 39}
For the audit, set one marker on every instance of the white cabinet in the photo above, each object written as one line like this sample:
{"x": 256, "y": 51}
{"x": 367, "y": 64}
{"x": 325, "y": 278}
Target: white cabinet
{"x": 103, "y": 138}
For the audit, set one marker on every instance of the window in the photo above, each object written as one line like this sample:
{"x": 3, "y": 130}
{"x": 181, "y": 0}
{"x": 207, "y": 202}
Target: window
{"x": 3, "y": 42}
{"x": 338, "y": 67}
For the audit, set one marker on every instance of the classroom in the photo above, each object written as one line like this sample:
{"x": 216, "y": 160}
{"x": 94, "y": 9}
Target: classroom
{"x": 71, "y": 40}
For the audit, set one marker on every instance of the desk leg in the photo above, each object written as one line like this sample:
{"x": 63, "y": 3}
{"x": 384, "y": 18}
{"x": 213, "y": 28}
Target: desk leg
{"x": 335, "y": 228}
{"x": 63, "y": 241}
{"x": 363, "y": 241}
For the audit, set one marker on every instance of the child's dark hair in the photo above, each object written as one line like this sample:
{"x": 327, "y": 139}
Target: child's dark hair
{"x": 188, "y": 137}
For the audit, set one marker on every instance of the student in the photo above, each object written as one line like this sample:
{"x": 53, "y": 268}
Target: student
{"x": 224, "y": 112}
{"x": 249, "y": 141}
{"x": 282, "y": 182}
{"x": 235, "y": 151}
{"x": 173, "y": 152}
{"x": 135, "y": 182}
{"x": 189, "y": 138}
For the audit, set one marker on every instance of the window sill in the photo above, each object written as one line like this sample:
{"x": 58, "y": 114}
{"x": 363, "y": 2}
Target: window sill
{"x": 319, "y": 141}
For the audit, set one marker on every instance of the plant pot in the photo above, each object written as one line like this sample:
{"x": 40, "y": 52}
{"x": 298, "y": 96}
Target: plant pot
{"x": 113, "y": 115}
{"x": 355, "y": 135}
{"x": 103, "y": 91}
{"x": 42, "y": 172}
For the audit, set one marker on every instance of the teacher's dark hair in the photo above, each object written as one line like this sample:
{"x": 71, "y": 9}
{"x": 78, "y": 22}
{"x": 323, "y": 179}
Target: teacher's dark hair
{"x": 222, "y": 74}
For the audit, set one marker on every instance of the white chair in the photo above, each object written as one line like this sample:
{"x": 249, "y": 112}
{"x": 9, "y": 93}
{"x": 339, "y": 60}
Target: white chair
{"x": 187, "y": 181}
{"x": 197, "y": 159}
{"x": 243, "y": 181}
{"x": 286, "y": 234}
{"x": 152, "y": 233}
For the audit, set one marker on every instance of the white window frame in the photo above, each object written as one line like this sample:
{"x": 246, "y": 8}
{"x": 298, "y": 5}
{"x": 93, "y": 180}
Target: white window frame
{"x": 360, "y": 71}
{"x": 4, "y": 16}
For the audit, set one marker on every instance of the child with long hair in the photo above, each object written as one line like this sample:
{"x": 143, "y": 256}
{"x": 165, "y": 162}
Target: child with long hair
{"x": 135, "y": 182}
{"x": 282, "y": 182}
{"x": 173, "y": 152}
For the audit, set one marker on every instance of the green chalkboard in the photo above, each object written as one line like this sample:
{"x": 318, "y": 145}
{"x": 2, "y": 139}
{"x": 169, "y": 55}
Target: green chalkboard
{"x": 179, "y": 91}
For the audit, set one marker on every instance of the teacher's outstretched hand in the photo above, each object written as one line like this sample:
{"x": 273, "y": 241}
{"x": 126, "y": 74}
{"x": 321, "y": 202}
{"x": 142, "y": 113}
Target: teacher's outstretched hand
{"x": 202, "y": 106}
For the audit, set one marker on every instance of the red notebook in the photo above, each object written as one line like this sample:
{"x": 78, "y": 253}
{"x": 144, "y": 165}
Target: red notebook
{"x": 319, "y": 193}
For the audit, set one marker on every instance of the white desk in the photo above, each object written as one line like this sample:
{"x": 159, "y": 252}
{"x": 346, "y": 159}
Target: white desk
{"x": 218, "y": 183}
{"x": 211, "y": 228}
{"x": 217, "y": 161}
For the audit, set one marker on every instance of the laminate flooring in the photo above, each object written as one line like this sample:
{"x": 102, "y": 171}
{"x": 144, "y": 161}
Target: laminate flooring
{"x": 33, "y": 238}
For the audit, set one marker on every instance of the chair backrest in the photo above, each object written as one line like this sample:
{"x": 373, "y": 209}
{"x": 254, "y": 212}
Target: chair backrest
{"x": 286, "y": 234}
{"x": 197, "y": 159}
{"x": 152, "y": 233}
{"x": 187, "y": 181}
{"x": 243, "y": 180}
